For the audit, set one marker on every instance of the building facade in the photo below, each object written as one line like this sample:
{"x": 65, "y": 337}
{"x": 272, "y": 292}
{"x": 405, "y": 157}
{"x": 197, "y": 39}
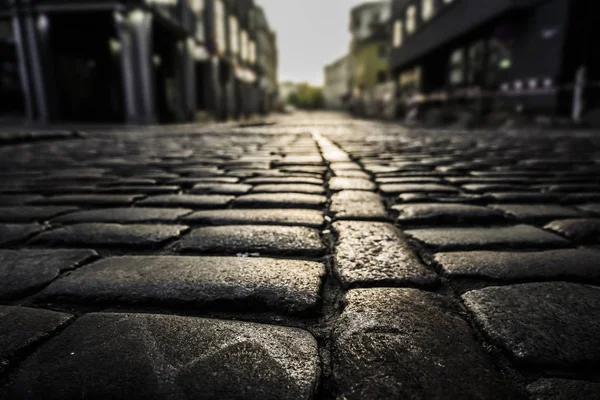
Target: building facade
{"x": 515, "y": 54}
{"x": 134, "y": 61}
{"x": 337, "y": 84}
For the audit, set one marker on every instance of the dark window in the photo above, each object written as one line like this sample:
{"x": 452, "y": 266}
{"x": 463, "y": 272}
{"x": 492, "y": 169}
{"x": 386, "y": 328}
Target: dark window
{"x": 456, "y": 74}
{"x": 381, "y": 76}
{"x": 476, "y": 73}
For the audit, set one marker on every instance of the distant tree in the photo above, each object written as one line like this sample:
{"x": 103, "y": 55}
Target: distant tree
{"x": 307, "y": 97}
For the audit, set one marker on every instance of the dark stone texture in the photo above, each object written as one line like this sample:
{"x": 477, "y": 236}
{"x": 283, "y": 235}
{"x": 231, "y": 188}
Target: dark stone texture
{"x": 270, "y": 240}
{"x": 374, "y": 253}
{"x": 31, "y": 213}
{"x": 21, "y": 328}
{"x": 518, "y": 236}
{"x": 580, "y": 264}
{"x": 285, "y": 216}
{"x": 145, "y": 356}
{"x": 537, "y": 212}
{"x": 125, "y": 215}
{"x": 397, "y": 188}
{"x": 187, "y": 200}
{"x": 357, "y": 205}
{"x": 25, "y": 270}
{"x": 409, "y": 344}
{"x": 221, "y": 188}
{"x": 439, "y": 213}
{"x": 90, "y": 199}
{"x": 579, "y": 230}
{"x": 552, "y": 324}
{"x": 563, "y": 389}
{"x": 252, "y": 284}
{"x": 289, "y": 188}
{"x": 102, "y": 234}
{"x": 284, "y": 179}
{"x": 10, "y": 233}
{"x": 280, "y": 200}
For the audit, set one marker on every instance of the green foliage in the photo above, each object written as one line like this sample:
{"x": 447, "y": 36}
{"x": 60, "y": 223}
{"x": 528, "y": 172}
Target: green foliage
{"x": 307, "y": 97}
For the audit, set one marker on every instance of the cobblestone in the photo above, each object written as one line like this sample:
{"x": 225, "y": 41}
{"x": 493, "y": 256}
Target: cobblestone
{"x": 10, "y": 233}
{"x": 561, "y": 333}
{"x": 31, "y": 213}
{"x": 24, "y": 271}
{"x": 580, "y": 230}
{"x": 289, "y": 188}
{"x": 435, "y": 213}
{"x": 357, "y": 205}
{"x": 89, "y": 199}
{"x": 221, "y": 188}
{"x": 187, "y": 200}
{"x": 104, "y": 234}
{"x": 538, "y": 212}
{"x": 135, "y": 356}
{"x": 269, "y": 240}
{"x": 338, "y": 184}
{"x": 563, "y": 389}
{"x": 230, "y": 282}
{"x": 280, "y": 200}
{"x": 284, "y": 216}
{"x": 124, "y": 215}
{"x": 405, "y": 343}
{"x": 376, "y": 253}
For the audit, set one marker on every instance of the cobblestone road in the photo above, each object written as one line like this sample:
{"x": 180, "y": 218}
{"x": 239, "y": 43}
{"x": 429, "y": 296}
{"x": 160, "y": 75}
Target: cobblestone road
{"x": 316, "y": 258}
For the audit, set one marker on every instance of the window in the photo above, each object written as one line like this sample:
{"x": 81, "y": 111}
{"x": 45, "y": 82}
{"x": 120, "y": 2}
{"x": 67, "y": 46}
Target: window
{"x": 398, "y": 33}
{"x": 234, "y": 35}
{"x": 411, "y": 19}
{"x": 252, "y": 51}
{"x": 220, "y": 34}
{"x": 457, "y": 67}
{"x": 244, "y": 45}
{"x": 427, "y": 9}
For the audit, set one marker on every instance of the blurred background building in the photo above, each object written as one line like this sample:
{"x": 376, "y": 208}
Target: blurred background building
{"x": 135, "y": 61}
{"x": 338, "y": 83}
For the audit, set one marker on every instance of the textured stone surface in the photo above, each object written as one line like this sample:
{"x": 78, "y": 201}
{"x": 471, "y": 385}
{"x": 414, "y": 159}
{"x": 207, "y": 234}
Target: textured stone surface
{"x": 374, "y": 253}
{"x": 231, "y": 282}
{"x": 358, "y": 205}
{"x": 436, "y": 213}
{"x": 101, "y": 234}
{"x": 397, "y": 188}
{"x": 289, "y": 188}
{"x": 563, "y": 389}
{"x": 21, "y": 328}
{"x": 280, "y": 200}
{"x": 270, "y": 240}
{"x": 579, "y": 230}
{"x": 90, "y": 199}
{"x": 552, "y": 324}
{"x": 143, "y": 356}
{"x": 221, "y": 188}
{"x": 25, "y": 270}
{"x": 17, "y": 232}
{"x": 581, "y": 264}
{"x": 285, "y": 216}
{"x": 125, "y": 215}
{"x": 338, "y": 184}
{"x": 538, "y": 212}
{"x": 405, "y": 343}
{"x": 187, "y": 201}
{"x": 31, "y": 213}
{"x": 521, "y": 236}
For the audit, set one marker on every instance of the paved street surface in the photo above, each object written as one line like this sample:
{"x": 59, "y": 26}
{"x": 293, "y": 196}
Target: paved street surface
{"x": 318, "y": 257}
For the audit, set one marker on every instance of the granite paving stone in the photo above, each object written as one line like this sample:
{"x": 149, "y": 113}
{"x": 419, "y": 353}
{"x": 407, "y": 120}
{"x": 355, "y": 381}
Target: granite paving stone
{"x": 376, "y": 253}
{"x": 580, "y": 264}
{"x": 221, "y": 188}
{"x": 405, "y": 343}
{"x": 546, "y": 325}
{"x": 31, "y": 213}
{"x": 142, "y": 356}
{"x": 563, "y": 389}
{"x": 537, "y": 212}
{"x": 591, "y": 207}
{"x": 90, "y": 199}
{"x": 21, "y": 328}
{"x": 397, "y": 188}
{"x": 107, "y": 234}
{"x": 10, "y": 233}
{"x": 246, "y": 283}
{"x": 357, "y": 205}
{"x": 289, "y": 188}
{"x": 270, "y": 240}
{"x": 578, "y": 229}
{"x": 124, "y": 215}
{"x": 24, "y": 271}
{"x": 280, "y": 200}
{"x": 440, "y": 213}
{"x": 284, "y": 180}
{"x": 518, "y": 236}
{"x": 284, "y": 216}
{"x": 187, "y": 200}
{"x": 338, "y": 183}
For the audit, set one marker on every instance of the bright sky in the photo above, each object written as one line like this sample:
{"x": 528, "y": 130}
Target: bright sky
{"x": 310, "y": 34}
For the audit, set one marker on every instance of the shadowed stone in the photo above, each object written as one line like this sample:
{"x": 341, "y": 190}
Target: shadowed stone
{"x": 26, "y": 270}
{"x": 289, "y": 188}
{"x": 31, "y": 213}
{"x": 101, "y": 234}
{"x": 124, "y": 215}
{"x": 552, "y": 324}
{"x": 563, "y": 389}
{"x": 16, "y": 232}
{"x": 221, "y": 188}
{"x": 21, "y": 328}
{"x": 397, "y": 188}
{"x": 286, "y": 216}
{"x": 145, "y": 356}
{"x": 521, "y": 236}
{"x": 542, "y": 265}
{"x": 280, "y": 200}
{"x": 231, "y": 239}
{"x": 579, "y": 230}
{"x": 90, "y": 199}
{"x": 446, "y": 213}
{"x": 538, "y": 212}
{"x": 230, "y": 282}
{"x": 372, "y": 253}
{"x": 405, "y": 343}
{"x": 188, "y": 201}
